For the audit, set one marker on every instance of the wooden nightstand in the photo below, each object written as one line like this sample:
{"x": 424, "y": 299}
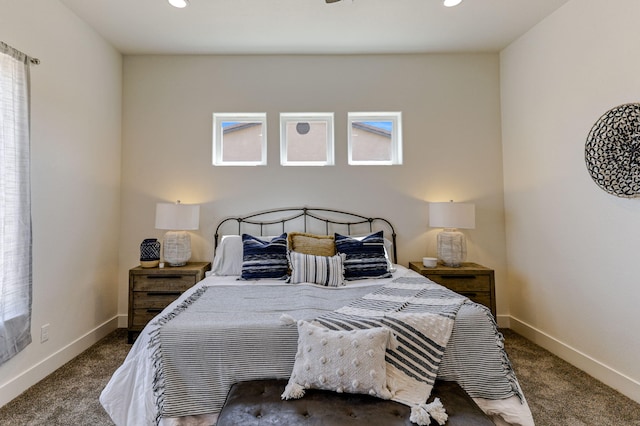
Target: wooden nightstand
{"x": 471, "y": 280}
{"x": 152, "y": 289}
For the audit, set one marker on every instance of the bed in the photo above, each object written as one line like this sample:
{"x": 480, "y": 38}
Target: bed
{"x": 244, "y": 322}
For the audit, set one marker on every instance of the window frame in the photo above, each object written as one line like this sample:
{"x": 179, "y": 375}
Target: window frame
{"x": 218, "y": 136}
{"x": 396, "y": 136}
{"x": 327, "y": 117}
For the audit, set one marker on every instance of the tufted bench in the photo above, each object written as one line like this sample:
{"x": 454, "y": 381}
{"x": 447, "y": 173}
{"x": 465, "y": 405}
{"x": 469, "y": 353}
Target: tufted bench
{"x": 258, "y": 403}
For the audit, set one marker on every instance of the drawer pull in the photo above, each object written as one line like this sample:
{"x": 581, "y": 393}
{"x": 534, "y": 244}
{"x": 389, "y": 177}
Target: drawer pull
{"x": 469, "y": 295}
{"x": 154, "y": 311}
{"x": 464, "y": 277}
{"x": 164, "y": 293}
{"x": 164, "y": 277}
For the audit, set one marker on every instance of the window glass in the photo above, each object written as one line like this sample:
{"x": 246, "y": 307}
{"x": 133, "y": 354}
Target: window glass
{"x": 306, "y": 139}
{"x": 375, "y": 138}
{"x": 239, "y": 139}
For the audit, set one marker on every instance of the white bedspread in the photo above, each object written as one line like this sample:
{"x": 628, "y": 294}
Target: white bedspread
{"x": 129, "y": 398}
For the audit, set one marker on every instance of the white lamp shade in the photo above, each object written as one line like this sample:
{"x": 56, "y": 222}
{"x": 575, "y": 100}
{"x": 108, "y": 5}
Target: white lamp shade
{"x": 452, "y": 215}
{"x": 177, "y": 217}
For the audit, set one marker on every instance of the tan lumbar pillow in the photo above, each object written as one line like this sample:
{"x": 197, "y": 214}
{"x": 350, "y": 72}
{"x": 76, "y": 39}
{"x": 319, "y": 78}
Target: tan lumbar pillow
{"x": 317, "y": 245}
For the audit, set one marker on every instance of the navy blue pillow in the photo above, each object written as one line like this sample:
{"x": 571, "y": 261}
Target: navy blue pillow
{"x": 365, "y": 256}
{"x": 264, "y": 259}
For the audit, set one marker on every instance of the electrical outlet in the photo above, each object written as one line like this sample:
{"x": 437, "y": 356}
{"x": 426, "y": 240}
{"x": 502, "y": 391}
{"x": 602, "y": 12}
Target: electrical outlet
{"x": 44, "y": 333}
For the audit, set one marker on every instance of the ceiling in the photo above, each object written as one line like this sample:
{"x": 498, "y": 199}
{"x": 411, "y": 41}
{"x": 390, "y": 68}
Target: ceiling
{"x": 310, "y": 26}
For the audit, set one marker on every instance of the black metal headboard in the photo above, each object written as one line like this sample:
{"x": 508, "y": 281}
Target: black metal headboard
{"x": 311, "y": 218}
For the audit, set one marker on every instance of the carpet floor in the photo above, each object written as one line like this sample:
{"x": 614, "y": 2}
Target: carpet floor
{"x": 558, "y": 393}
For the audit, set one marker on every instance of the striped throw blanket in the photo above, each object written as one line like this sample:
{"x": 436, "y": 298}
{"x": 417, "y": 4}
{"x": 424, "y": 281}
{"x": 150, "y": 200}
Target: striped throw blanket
{"x": 421, "y": 316}
{"x": 224, "y": 334}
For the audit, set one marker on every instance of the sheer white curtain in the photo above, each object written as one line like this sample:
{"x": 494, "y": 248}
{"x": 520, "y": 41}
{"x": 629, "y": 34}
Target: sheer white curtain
{"x": 15, "y": 204}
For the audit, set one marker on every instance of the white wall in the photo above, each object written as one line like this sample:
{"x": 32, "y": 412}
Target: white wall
{"x": 75, "y": 154}
{"x": 452, "y": 147}
{"x": 572, "y": 248}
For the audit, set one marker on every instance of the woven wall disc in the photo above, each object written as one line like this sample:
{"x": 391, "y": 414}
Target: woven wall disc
{"x": 612, "y": 151}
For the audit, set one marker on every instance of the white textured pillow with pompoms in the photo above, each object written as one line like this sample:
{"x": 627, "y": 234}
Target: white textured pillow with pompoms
{"x": 341, "y": 361}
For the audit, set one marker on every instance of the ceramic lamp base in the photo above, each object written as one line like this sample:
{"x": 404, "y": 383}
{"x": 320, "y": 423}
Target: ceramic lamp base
{"x": 176, "y": 248}
{"x": 452, "y": 247}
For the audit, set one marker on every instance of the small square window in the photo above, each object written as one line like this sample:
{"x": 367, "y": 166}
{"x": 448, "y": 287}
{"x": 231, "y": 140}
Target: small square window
{"x": 239, "y": 139}
{"x": 375, "y": 138}
{"x": 306, "y": 139}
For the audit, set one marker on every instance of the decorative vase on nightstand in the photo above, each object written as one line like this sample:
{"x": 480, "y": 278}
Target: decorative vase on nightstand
{"x": 150, "y": 253}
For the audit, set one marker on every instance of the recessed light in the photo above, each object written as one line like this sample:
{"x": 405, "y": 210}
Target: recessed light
{"x": 451, "y": 3}
{"x": 179, "y": 3}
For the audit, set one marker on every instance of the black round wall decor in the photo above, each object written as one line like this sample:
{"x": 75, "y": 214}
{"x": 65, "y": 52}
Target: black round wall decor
{"x": 612, "y": 151}
{"x": 303, "y": 128}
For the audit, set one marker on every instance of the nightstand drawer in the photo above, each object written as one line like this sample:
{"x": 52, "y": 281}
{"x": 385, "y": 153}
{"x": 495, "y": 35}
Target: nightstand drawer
{"x": 142, "y": 316}
{"x": 163, "y": 282}
{"x": 482, "y": 298}
{"x": 463, "y": 283}
{"x": 154, "y": 299}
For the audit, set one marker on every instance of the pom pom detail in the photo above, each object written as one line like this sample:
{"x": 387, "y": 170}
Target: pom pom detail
{"x": 293, "y": 391}
{"x": 437, "y": 411}
{"x": 419, "y": 415}
{"x": 287, "y": 319}
{"x": 422, "y": 414}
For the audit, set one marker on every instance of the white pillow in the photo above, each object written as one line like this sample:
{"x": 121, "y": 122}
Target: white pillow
{"x": 341, "y": 361}
{"x": 228, "y": 256}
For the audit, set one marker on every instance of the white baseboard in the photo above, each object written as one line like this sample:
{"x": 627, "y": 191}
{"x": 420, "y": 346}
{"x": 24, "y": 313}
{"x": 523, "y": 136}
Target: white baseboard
{"x": 607, "y": 375}
{"x": 42, "y": 369}
{"x": 123, "y": 321}
{"x": 503, "y": 321}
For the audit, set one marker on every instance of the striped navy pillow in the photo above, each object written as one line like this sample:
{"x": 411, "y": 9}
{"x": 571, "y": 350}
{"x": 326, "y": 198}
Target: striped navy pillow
{"x": 264, "y": 259}
{"x": 324, "y": 270}
{"x": 365, "y": 256}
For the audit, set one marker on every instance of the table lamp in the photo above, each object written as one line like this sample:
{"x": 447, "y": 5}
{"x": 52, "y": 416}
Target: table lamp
{"x": 177, "y": 219}
{"x": 452, "y": 245}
